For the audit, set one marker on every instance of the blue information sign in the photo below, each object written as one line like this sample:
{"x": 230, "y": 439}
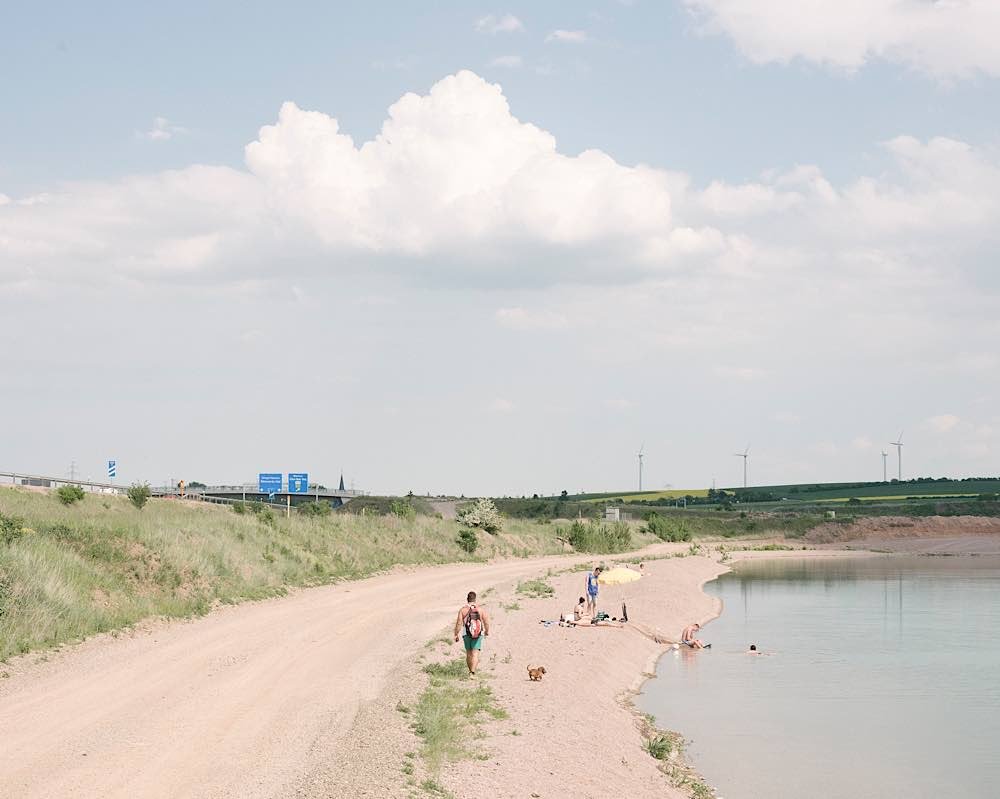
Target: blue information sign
{"x": 298, "y": 483}
{"x": 269, "y": 482}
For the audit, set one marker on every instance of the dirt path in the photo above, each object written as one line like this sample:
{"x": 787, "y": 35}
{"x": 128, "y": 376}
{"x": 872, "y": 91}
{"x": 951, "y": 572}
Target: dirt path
{"x": 241, "y": 703}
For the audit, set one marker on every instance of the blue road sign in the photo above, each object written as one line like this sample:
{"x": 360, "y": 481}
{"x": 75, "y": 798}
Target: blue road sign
{"x": 298, "y": 483}
{"x": 112, "y": 468}
{"x": 269, "y": 482}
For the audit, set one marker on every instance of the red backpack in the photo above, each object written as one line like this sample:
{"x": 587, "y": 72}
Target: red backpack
{"x": 473, "y": 622}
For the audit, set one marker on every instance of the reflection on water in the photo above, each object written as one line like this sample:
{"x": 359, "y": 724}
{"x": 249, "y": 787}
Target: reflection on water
{"x": 882, "y": 678}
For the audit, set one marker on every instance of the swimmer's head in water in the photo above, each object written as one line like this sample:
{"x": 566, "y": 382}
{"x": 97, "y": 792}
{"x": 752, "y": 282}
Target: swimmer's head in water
{"x": 753, "y": 647}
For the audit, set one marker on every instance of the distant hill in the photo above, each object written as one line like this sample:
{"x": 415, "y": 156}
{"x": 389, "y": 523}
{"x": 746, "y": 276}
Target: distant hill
{"x": 918, "y": 488}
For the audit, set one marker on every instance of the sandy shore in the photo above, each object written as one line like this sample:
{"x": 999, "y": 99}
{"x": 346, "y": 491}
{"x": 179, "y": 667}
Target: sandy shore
{"x": 298, "y": 696}
{"x": 576, "y": 731}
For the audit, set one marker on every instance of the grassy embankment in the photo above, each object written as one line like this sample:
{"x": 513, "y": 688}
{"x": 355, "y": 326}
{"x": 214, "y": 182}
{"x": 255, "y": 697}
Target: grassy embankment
{"x": 67, "y": 572}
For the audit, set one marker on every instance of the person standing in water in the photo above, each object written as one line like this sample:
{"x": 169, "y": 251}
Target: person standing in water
{"x": 473, "y": 623}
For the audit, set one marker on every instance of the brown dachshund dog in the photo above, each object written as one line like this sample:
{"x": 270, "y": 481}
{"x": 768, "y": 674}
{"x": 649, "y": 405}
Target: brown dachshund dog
{"x": 535, "y": 674}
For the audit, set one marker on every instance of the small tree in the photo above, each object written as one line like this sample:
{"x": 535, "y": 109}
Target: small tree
{"x": 467, "y": 540}
{"x": 483, "y": 514}
{"x": 314, "y": 508}
{"x": 69, "y": 494}
{"x": 403, "y": 508}
{"x": 138, "y": 494}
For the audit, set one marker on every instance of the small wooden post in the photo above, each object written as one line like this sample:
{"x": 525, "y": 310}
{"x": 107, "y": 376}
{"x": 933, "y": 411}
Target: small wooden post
{"x": 288, "y": 508}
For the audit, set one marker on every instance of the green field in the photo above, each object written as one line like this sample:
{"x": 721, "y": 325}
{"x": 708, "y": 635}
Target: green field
{"x": 652, "y": 496}
{"x": 924, "y": 488}
{"x": 890, "y": 498}
{"x": 917, "y": 489}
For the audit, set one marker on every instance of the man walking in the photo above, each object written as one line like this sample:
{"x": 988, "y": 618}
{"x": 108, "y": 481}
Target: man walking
{"x": 473, "y": 623}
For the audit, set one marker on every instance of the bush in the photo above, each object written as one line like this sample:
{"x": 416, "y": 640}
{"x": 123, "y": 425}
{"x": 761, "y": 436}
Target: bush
{"x": 317, "y": 508}
{"x": 138, "y": 494}
{"x": 666, "y": 530}
{"x": 11, "y": 529}
{"x": 660, "y": 746}
{"x": 467, "y": 540}
{"x": 403, "y": 509}
{"x": 483, "y": 514}
{"x": 600, "y": 538}
{"x": 69, "y": 494}
{"x": 239, "y": 508}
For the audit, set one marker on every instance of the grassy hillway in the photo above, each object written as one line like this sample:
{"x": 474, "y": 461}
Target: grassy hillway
{"x": 100, "y": 564}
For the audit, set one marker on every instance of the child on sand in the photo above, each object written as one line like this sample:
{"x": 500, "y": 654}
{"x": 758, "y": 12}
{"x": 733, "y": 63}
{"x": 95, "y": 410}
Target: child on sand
{"x": 580, "y": 609}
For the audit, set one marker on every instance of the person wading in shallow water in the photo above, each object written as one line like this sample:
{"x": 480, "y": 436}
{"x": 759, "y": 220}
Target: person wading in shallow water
{"x": 473, "y": 623}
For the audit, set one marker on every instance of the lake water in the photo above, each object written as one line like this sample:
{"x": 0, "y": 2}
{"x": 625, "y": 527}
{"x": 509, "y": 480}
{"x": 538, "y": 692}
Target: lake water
{"x": 884, "y": 680}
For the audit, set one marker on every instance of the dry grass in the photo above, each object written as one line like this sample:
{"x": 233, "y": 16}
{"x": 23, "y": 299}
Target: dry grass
{"x": 101, "y": 564}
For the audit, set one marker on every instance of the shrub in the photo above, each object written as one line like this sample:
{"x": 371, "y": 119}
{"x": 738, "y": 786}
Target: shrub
{"x": 467, "y": 540}
{"x": 314, "y": 508}
{"x": 69, "y": 494}
{"x": 239, "y": 508}
{"x": 600, "y": 538}
{"x": 138, "y": 494}
{"x": 403, "y": 509}
{"x": 483, "y": 514}
{"x": 666, "y": 530}
{"x": 11, "y": 529}
{"x": 660, "y": 746}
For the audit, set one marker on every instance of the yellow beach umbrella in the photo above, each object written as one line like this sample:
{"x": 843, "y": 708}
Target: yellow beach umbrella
{"x": 618, "y": 576}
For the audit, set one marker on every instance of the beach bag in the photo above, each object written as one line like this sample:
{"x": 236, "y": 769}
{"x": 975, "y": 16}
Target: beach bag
{"x": 473, "y": 622}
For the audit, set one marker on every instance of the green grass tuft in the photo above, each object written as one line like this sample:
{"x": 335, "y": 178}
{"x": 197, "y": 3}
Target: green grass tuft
{"x": 535, "y": 589}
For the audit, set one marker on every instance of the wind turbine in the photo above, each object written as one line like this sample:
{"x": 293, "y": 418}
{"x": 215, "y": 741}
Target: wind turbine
{"x": 745, "y": 454}
{"x": 640, "y": 456}
{"x": 884, "y": 472}
{"x": 898, "y": 444}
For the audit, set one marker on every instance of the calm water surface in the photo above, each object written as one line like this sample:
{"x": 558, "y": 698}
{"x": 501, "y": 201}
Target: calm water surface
{"x": 884, "y": 680}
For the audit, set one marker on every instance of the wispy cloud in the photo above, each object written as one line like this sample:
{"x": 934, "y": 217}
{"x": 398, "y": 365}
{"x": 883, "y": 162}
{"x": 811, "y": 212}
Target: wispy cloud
{"x": 740, "y": 372}
{"x": 507, "y": 61}
{"x": 523, "y": 319}
{"x": 493, "y": 23}
{"x": 942, "y": 423}
{"x": 162, "y": 130}
{"x": 573, "y": 37}
{"x": 500, "y": 405}
{"x": 401, "y": 64}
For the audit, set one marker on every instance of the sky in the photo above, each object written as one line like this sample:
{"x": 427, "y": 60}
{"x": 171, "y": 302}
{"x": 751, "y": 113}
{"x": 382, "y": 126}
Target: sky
{"x": 476, "y": 248}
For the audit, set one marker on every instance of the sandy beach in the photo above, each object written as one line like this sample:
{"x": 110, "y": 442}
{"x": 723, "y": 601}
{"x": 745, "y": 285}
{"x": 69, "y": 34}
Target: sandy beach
{"x": 300, "y": 696}
{"x": 577, "y": 729}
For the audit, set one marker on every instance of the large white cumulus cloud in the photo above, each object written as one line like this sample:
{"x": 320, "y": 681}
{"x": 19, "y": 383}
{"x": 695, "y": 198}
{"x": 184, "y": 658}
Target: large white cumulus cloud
{"x": 453, "y": 177}
{"x": 455, "y": 189}
{"x": 946, "y": 38}
{"x": 451, "y": 168}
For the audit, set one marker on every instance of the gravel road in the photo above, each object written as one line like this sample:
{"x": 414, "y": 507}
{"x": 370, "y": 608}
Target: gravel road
{"x": 245, "y": 702}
